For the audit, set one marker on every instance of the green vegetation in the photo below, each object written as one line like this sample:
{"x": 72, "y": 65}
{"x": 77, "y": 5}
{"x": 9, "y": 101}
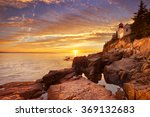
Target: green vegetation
{"x": 141, "y": 26}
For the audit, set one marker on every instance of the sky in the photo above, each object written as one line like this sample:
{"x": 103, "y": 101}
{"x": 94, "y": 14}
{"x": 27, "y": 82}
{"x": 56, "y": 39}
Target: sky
{"x": 60, "y": 26}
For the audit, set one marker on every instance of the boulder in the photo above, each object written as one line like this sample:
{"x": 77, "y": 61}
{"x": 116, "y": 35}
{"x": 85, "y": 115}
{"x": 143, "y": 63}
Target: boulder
{"x": 20, "y": 90}
{"x": 121, "y": 71}
{"x": 79, "y": 88}
{"x": 54, "y": 77}
{"x": 80, "y": 64}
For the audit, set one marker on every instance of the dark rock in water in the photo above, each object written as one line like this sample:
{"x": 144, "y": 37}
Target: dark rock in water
{"x": 20, "y": 90}
{"x": 121, "y": 71}
{"x": 54, "y": 77}
{"x": 80, "y": 65}
{"x": 79, "y": 89}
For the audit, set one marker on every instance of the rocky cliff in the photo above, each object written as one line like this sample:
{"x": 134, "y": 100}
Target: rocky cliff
{"x": 140, "y": 47}
{"x": 132, "y": 72}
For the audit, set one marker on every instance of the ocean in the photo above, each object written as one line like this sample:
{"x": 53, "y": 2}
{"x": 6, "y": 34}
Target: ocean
{"x": 15, "y": 67}
{"x": 29, "y": 66}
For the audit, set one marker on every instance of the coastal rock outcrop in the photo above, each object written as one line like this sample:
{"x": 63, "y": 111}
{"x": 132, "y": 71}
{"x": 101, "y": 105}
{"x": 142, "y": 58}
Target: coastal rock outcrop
{"x": 79, "y": 88}
{"x": 20, "y": 90}
{"x": 92, "y": 66}
{"x": 66, "y": 85}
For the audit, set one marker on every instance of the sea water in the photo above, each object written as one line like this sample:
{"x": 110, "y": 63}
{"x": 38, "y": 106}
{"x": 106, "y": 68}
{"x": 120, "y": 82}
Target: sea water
{"x": 29, "y": 66}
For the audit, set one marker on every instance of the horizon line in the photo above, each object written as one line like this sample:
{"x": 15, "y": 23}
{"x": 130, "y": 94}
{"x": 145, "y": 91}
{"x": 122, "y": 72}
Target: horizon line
{"x": 33, "y": 52}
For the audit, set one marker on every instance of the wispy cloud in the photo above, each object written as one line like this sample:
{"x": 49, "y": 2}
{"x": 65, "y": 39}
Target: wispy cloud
{"x": 24, "y": 3}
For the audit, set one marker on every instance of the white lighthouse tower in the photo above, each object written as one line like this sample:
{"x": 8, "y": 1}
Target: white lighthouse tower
{"x": 120, "y": 31}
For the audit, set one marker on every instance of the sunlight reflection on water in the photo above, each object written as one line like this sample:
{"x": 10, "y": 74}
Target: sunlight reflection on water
{"x": 110, "y": 87}
{"x": 29, "y": 67}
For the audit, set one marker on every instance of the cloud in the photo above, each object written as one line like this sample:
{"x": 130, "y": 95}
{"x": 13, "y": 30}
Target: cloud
{"x": 58, "y": 42}
{"x": 113, "y": 2}
{"x": 15, "y": 3}
{"x": 51, "y": 1}
{"x": 24, "y": 3}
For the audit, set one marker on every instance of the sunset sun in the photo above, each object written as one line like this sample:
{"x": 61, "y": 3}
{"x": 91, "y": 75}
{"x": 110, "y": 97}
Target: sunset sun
{"x": 75, "y": 52}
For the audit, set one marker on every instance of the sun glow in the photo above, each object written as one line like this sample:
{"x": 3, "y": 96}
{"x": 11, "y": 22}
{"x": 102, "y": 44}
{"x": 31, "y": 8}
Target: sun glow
{"x": 75, "y": 52}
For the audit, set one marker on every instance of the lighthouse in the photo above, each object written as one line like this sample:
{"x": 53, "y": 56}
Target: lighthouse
{"x": 120, "y": 31}
{"x": 123, "y": 30}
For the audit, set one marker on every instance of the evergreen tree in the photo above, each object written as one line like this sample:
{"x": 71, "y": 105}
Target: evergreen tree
{"x": 139, "y": 25}
{"x": 146, "y": 29}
